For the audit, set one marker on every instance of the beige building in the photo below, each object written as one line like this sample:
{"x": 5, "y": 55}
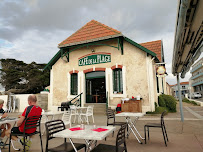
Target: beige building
{"x": 105, "y": 66}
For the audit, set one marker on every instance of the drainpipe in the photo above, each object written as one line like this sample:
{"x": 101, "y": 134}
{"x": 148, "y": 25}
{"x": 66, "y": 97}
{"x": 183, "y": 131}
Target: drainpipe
{"x": 180, "y": 99}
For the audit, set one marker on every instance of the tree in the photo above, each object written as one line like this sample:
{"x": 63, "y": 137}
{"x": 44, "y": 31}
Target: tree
{"x": 19, "y": 77}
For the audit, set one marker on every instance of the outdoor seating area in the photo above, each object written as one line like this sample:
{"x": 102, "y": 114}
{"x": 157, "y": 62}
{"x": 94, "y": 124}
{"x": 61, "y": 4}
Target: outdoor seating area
{"x": 101, "y": 76}
{"x": 82, "y": 136}
{"x": 63, "y": 125}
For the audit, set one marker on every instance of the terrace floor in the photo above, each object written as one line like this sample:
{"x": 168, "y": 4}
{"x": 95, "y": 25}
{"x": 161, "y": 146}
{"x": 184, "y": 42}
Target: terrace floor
{"x": 184, "y": 136}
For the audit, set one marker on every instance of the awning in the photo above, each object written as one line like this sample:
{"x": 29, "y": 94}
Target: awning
{"x": 188, "y": 36}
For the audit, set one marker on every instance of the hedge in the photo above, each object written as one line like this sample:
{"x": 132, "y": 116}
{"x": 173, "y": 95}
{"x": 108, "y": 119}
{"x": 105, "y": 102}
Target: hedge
{"x": 161, "y": 101}
{"x": 189, "y": 101}
{"x": 170, "y": 102}
{"x": 158, "y": 110}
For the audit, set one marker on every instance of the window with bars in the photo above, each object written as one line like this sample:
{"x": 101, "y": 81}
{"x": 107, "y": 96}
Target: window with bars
{"x": 117, "y": 81}
{"x": 74, "y": 84}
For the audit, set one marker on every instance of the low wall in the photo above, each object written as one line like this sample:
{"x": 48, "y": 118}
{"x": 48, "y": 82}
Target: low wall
{"x": 198, "y": 102}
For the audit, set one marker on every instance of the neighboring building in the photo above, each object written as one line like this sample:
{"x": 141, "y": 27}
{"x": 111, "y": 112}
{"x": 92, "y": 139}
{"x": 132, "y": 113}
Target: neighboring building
{"x": 172, "y": 90}
{"x": 197, "y": 77}
{"x": 184, "y": 87}
{"x": 105, "y": 66}
{"x": 157, "y": 47}
{"x": 168, "y": 89}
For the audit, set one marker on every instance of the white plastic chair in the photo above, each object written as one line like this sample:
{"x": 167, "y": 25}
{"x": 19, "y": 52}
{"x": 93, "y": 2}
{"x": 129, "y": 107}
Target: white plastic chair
{"x": 44, "y": 119}
{"x": 66, "y": 118}
{"x": 74, "y": 112}
{"x": 88, "y": 113}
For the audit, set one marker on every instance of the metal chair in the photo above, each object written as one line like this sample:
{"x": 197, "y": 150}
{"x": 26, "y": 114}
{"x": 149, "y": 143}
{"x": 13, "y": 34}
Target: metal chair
{"x": 30, "y": 122}
{"x": 88, "y": 113}
{"x": 53, "y": 127}
{"x": 157, "y": 125}
{"x": 120, "y": 143}
{"x": 111, "y": 117}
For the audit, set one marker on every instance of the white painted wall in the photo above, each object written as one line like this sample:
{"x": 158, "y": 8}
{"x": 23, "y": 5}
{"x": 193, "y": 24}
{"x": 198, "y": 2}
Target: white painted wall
{"x": 22, "y": 99}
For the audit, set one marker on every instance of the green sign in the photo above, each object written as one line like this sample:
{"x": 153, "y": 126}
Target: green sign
{"x": 94, "y": 59}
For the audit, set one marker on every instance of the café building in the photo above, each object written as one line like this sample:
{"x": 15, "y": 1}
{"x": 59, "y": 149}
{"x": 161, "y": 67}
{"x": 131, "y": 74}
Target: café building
{"x": 104, "y": 66}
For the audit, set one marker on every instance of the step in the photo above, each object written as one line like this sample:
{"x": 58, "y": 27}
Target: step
{"x": 103, "y": 105}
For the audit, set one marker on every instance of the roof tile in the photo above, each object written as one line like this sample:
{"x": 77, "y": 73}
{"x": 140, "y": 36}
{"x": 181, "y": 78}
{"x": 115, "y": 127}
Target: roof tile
{"x": 154, "y": 46}
{"x": 182, "y": 83}
{"x": 89, "y": 31}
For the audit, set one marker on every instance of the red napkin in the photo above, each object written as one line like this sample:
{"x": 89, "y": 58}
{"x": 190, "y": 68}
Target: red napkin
{"x": 99, "y": 129}
{"x": 75, "y": 129}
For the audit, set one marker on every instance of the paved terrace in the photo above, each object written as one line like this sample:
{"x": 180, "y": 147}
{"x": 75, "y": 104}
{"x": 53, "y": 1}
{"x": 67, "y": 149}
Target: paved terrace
{"x": 183, "y": 137}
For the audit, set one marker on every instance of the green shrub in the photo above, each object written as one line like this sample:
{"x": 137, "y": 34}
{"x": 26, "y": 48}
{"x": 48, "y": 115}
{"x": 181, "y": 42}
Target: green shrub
{"x": 149, "y": 112}
{"x": 189, "y": 101}
{"x": 158, "y": 110}
{"x": 193, "y": 102}
{"x": 161, "y": 109}
{"x": 186, "y": 100}
{"x": 170, "y": 102}
{"x": 155, "y": 105}
{"x": 161, "y": 101}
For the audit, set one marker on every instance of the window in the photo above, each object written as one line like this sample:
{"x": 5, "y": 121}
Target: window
{"x": 157, "y": 83}
{"x": 183, "y": 87}
{"x": 117, "y": 81}
{"x": 74, "y": 84}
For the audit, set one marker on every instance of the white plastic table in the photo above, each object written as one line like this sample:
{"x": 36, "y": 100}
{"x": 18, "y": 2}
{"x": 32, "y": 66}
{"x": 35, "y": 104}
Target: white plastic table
{"x": 7, "y": 121}
{"x": 87, "y": 134}
{"x": 131, "y": 123}
{"x": 45, "y": 117}
{"x": 50, "y": 113}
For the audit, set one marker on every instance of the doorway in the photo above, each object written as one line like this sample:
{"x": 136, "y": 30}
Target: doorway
{"x": 95, "y": 87}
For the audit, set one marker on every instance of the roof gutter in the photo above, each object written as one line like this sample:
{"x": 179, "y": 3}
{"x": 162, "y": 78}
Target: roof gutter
{"x": 183, "y": 6}
{"x": 91, "y": 40}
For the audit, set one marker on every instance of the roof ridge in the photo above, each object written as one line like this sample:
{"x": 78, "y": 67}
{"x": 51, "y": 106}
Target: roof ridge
{"x": 108, "y": 27}
{"x": 150, "y": 41}
{"x": 94, "y": 22}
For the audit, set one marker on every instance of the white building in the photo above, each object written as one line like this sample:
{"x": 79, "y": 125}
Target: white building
{"x": 197, "y": 76}
{"x": 184, "y": 87}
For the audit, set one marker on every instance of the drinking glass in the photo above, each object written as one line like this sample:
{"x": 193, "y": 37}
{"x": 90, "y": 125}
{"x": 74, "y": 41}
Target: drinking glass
{"x": 82, "y": 126}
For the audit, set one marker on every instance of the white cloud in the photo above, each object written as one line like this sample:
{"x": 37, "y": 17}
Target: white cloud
{"x": 35, "y": 46}
{"x": 32, "y": 29}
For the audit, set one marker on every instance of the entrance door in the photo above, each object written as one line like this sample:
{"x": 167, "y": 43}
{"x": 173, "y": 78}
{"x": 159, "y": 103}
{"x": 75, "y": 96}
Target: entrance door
{"x": 95, "y": 87}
